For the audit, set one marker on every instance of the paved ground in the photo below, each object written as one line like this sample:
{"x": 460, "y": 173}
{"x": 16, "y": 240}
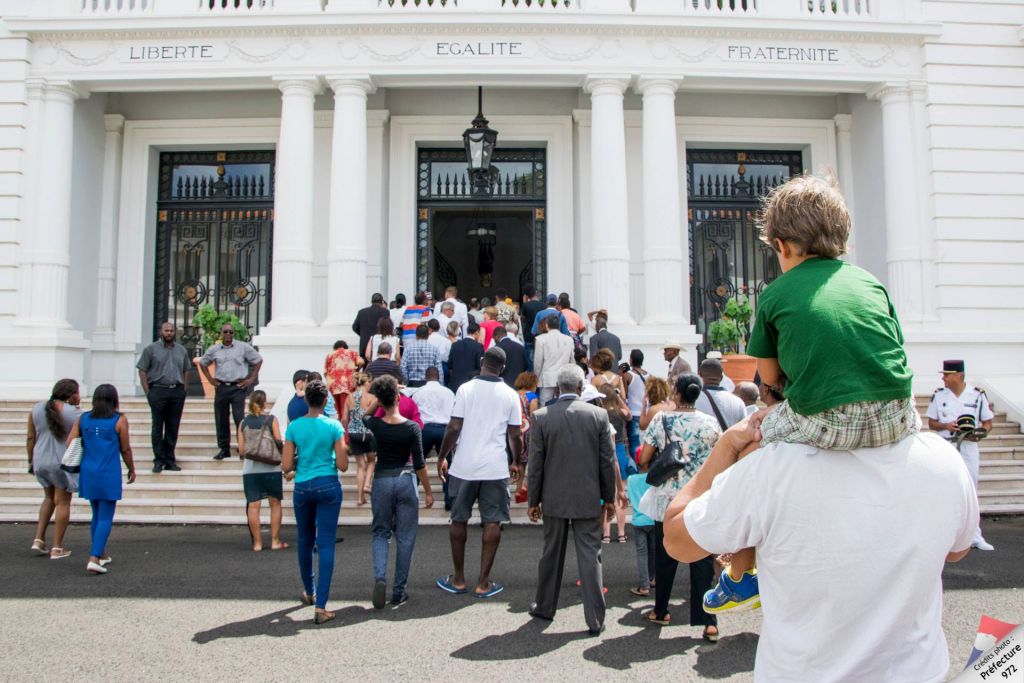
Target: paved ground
{"x": 194, "y": 603}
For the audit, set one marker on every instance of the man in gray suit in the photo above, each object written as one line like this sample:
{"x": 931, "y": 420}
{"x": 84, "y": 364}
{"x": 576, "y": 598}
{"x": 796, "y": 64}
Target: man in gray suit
{"x": 571, "y": 470}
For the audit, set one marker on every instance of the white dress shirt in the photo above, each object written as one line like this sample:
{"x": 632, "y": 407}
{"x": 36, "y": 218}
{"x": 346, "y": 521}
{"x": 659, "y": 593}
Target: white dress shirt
{"x": 435, "y": 402}
{"x": 440, "y": 342}
{"x": 461, "y": 314}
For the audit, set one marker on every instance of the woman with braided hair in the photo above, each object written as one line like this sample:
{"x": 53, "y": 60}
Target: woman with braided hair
{"x": 49, "y": 424}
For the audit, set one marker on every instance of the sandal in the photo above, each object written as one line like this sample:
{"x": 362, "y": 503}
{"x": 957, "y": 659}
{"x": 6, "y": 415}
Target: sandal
{"x": 641, "y": 592}
{"x": 622, "y": 539}
{"x": 708, "y": 636}
{"x": 39, "y": 547}
{"x": 323, "y": 617}
{"x": 651, "y": 617}
{"x": 61, "y": 553}
{"x": 307, "y": 599}
{"x": 606, "y": 539}
{"x": 280, "y": 546}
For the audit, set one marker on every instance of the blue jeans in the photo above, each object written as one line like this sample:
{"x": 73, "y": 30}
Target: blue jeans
{"x": 396, "y": 509}
{"x": 316, "y": 504}
{"x": 633, "y": 434}
{"x": 99, "y": 527}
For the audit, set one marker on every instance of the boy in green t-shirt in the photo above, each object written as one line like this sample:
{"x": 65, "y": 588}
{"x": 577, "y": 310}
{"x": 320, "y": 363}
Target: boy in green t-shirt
{"x": 829, "y": 329}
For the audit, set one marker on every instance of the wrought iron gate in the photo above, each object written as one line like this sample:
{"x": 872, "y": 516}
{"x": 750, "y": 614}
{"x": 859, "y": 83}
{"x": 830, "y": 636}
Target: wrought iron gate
{"x": 727, "y": 258}
{"x": 214, "y": 230}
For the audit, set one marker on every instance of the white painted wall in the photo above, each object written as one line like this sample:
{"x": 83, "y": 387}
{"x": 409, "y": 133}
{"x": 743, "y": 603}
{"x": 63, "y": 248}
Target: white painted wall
{"x": 975, "y": 73}
{"x": 13, "y": 71}
{"x": 86, "y": 195}
{"x": 869, "y": 186}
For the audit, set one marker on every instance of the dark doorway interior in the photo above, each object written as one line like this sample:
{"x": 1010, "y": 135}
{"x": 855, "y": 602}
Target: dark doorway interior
{"x": 482, "y": 249}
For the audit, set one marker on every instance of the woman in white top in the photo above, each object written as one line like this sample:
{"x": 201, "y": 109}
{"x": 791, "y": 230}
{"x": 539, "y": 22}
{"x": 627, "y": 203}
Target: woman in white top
{"x": 385, "y": 333}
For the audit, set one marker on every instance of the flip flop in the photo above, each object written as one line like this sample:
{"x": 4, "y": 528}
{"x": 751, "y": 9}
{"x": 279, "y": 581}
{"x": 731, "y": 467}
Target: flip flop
{"x": 653, "y": 618}
{"x": 445, "y": 584}
{"x": 280, "y": 547}
{"x": 493, "y": 589}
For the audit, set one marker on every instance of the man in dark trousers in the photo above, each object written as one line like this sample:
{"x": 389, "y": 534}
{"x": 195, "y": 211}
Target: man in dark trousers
{"x": 365, "y": 324}
{"x": 464, "y": 358}
{"x": 570, "y": 471}
{"x": 237, "y": 366}
{"x": 163, "y": 373}
{"x": 515, "y": 355}
{"x": 532, "y": 305}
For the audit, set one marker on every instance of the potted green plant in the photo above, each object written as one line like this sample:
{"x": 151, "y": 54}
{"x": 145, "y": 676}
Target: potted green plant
{"x": 210, "y": 321}
{"x": 728, "y": 334}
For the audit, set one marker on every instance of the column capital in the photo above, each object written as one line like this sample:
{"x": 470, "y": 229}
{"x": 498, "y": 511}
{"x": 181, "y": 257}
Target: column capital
{"x": 114, "y": 123}
{"x": 63, "y": 90}
{"x": 606, "y": 84}
{"x": 35, "y": 87}
{"x": 299, "y": 85}
{"x": 657, "y": 85}
{"x": 352, "y": 84}
{"x": 844, "y": 122}
{"x": 890, "y": 91}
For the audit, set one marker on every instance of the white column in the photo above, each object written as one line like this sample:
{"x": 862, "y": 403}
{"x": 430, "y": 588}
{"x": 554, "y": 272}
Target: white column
{"x": 844, "y": 161}
{"x": 666, "y": 291}
{"x": 110, "y": 205}
{"x": 609, "y": 236}
{"x": 292, "y": 298}
{"x": 904, "y": 252}
{"x": 29, "y": 176}
{"x": 48, "y": 257}
{"x": 925, "y": 180}
{"x": 346, "y": 251}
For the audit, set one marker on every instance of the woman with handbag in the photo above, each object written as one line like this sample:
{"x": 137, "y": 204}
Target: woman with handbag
{"x": 49, "y": 424}
{"x": 675, "y": 445}
{"x": 104, "y": 437}
{"x": 259, "y": 446}
{"x": 314, "y": 448}
{"x": 360, "y": 440}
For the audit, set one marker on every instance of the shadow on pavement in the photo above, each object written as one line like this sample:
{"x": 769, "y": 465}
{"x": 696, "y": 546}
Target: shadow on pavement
{"x": 529, "y": 640}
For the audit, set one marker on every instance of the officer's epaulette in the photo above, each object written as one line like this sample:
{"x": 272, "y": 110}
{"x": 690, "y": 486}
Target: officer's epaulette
{"x": 934, "y": 393}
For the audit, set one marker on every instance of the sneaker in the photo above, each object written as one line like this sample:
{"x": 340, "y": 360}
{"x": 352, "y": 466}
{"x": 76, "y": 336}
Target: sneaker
{"x": 399, "y": 600}
{"x": 380, "y": 589}
{"x": 733, "y": 596}
{"x": 983, "y": 545}
{"x": 173, "y": 467}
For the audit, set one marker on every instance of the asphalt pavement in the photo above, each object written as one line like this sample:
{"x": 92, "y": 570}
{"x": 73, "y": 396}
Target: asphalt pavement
{"x": 195, "y": 603}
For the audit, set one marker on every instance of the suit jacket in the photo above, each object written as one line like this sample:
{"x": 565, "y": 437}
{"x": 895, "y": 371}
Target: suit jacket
{"x": 552, "y": 352}
{"x": 606, "y": 340}
{"x": 515, "y": 360}
{"x": 365, "y": 325}
{"x": 464, "y": 362}
{"x": 572, "y": 460}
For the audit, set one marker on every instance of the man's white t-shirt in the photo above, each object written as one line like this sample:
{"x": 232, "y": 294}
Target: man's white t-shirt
{"x": 730, "y": 405}
{"x": 435, "y": 402}
{"x": 850, "y": 551}
{"x": 488, "y": 407}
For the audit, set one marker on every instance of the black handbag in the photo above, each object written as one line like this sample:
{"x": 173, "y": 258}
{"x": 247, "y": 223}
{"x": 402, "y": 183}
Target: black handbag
{"x": 668, "y": 460}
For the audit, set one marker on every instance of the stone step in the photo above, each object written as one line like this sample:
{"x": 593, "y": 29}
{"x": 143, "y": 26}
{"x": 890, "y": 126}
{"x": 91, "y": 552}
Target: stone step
{"x": 1003, "y": 466}
{"x": 1011, "y": 495}
{"x": 225, "y": 492}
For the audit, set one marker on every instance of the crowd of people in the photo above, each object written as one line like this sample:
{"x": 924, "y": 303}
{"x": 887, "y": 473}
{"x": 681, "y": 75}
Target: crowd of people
{"x": 808, "y": 481}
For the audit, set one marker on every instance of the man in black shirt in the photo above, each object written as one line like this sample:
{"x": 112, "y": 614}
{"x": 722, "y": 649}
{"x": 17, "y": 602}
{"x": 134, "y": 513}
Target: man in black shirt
{"x": 163, "y": 373}
{"x": 464, "y": 358}
{"x": 532, "y": 305}
{"x": 365, "y": 324}
{"x": 515, "y": 356}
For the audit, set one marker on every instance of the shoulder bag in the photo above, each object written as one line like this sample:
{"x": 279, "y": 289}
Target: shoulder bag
{"x": 260, "y": 445}
{"x": 718, "y": 413}
{"x": 72, "y": 459}
{"x": 667, "y": 461}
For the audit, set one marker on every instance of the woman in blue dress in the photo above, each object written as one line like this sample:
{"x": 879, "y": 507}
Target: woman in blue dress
{"x": 104, "y": 433}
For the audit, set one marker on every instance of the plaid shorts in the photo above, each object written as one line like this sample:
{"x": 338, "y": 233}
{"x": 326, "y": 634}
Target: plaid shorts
{"x": 866, "y": 424}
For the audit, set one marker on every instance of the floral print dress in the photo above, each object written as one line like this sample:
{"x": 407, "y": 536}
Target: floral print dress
{"x": 698, "y": 433}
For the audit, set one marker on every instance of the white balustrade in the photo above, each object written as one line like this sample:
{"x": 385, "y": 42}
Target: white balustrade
{"x": 115, "y": 7}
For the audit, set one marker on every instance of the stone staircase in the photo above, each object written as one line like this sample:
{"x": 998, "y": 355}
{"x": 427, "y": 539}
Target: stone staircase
{"x": 209, "y": 491}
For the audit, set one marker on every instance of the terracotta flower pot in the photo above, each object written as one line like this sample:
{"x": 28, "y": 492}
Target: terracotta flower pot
{"x": 208, "y": 389}
{"x": 739, "y": 367}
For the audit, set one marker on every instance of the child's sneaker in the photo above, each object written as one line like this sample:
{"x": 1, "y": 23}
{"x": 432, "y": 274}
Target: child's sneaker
{"x": 733, "y": 596}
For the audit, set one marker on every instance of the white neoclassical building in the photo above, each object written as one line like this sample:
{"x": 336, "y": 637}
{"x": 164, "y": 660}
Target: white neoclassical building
{"x": 284, "y": 159}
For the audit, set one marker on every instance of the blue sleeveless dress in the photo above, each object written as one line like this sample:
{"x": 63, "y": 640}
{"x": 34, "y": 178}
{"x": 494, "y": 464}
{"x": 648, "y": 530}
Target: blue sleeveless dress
{"x": 100, "y": 476}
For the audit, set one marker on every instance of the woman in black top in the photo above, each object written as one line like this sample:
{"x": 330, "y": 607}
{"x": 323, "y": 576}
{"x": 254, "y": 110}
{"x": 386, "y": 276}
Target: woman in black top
{"x": 393, "y": 496}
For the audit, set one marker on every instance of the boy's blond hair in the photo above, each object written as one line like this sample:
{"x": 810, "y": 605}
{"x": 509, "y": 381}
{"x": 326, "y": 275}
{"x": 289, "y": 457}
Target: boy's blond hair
{"x": 809, "y": 212}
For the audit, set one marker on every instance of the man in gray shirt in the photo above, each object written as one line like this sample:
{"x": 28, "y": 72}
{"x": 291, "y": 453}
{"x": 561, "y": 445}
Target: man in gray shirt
{"x": 163, "y": 373}
{"x": 237, "y": 365}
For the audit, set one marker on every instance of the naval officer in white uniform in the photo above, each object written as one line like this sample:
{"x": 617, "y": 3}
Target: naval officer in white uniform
{"x": 948, "y": 404}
